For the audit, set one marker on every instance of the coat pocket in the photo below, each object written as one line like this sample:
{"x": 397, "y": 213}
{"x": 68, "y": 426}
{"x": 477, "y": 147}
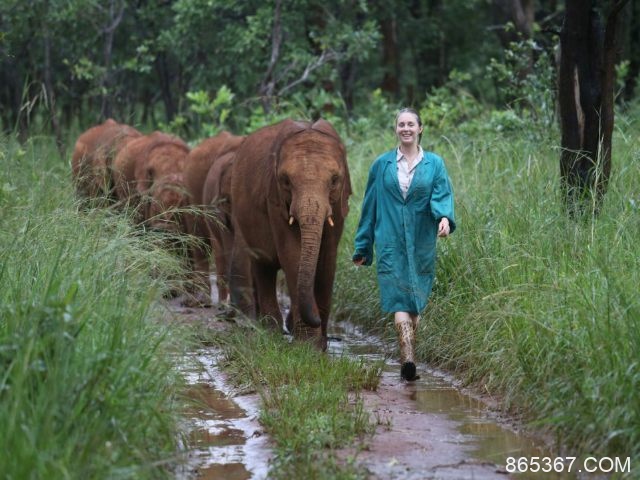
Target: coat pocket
{"x": 426, "y": 259}
{"x": 386, "y": 259}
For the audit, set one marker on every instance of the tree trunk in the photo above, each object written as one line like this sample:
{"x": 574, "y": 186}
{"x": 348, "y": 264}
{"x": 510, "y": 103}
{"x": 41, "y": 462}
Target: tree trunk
{"x": 114, "y": 19}
{"x": 585, "y": 85}
{"x": 48, "y": 85}
{"x": 106, "y": 110}
{"x": 633, "y": 50}
{"x": 520, "y": 13}
{"x": 164, "y": 78}
{"x": 390, "y": 58}
{"x": 348, "y": 74}
{"x": 268, "y": 84}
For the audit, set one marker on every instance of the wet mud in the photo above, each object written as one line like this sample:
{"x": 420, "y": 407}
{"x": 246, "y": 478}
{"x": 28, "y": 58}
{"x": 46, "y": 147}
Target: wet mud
{"x": 428, "y": 429}
{"x": 224, "y": 439}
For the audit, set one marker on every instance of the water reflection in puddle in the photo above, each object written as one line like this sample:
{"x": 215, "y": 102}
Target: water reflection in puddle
{"x": 487, "y": 440}
{"x": 223, "y": 435}
{"x": 482, "y": 436}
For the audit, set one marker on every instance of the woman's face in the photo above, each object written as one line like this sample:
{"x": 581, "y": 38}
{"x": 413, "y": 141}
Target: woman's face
{"x": 407, "y": 129}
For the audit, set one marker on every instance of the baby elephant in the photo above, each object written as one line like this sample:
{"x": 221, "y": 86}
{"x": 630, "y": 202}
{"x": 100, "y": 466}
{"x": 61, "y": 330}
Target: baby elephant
{"x": 289, "y": 194}
{"x": 93, "y": 155}
{"x": 206, "y": 178}
{"x": 148, "y": 176}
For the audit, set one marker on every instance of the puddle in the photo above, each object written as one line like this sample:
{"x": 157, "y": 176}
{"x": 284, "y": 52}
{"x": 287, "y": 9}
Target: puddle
{"x": 223, "y": 433}
{"x": 464, "y": 438}
{"x": 427, "y": 429}
{"x": 486, "y": 439}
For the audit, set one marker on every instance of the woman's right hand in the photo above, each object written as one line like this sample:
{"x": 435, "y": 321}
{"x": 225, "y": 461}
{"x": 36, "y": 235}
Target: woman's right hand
{"x": 358, "y": 262}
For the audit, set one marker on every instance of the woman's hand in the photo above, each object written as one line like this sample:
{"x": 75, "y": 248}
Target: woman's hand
{"x": 443, "y": 227}
{"x": 359, "y": 261}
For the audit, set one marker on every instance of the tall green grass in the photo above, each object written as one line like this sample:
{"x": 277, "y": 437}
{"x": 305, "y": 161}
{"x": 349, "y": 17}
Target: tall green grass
{"x": 311, "y": 404}
{"x": 528, "y": 304}
{"x": 87, "y": 389}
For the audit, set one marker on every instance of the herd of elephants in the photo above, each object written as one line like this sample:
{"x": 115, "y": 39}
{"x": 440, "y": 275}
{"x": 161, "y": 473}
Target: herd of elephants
{"x": 275, "y": 199}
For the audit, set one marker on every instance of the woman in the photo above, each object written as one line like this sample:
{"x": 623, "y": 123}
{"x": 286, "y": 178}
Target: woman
{"x": 407, "y": 203}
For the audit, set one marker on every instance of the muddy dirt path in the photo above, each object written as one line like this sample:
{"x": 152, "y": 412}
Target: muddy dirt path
{"x": 226, "y": 438}
{"x": 431, "y": 428}
{"x": 428, "y": 429}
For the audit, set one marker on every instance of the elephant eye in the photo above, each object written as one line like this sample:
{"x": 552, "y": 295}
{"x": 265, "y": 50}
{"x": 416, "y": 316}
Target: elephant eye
{"x": 284, "y": 179}
{"x": 334, "y": 180}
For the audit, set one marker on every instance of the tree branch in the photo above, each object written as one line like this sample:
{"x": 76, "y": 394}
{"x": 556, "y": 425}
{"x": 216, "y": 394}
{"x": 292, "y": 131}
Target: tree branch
{"x": 115, "y": 21}
{"x": 617, "y": 6}
{"x": 268, "y": 85}
{"x": 326, "y": 57}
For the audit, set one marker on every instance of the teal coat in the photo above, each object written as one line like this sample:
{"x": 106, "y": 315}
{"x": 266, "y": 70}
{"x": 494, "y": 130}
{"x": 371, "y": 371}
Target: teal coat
{"x": 404, "y": 230}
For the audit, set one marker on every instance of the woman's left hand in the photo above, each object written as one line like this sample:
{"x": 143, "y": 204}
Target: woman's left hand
{"x": 443, "y": 227}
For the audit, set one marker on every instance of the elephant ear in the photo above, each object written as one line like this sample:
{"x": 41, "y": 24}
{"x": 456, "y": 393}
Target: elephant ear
{"x": 287, "y": 129}
{"x": 321, "y": 125}
{"x": 346, "y": 189}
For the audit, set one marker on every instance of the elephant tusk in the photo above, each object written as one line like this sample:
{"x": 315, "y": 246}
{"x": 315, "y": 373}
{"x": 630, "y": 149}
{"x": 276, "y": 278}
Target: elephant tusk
{"x": 330, "y": 220}
{"x": 291, "y": 220}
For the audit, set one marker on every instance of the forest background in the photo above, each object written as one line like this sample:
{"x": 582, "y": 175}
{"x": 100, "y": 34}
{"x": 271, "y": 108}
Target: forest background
{"x": 196, "y": 66}
{"x": 534, "y": 305}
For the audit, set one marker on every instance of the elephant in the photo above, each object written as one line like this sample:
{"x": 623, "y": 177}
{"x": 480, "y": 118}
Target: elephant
{"x": 198, "y": 221}
{"x": 148, "y": 176}
{"x": 93, "y": 155}
{"x": 289, "y": 191}
{"x": 217, "y": 195}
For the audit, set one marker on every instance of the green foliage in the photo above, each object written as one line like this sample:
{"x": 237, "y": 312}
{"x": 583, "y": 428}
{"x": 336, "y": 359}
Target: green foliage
{"x": 143, "y": 60}
{"x": 329, "y": 57}
{"x": 207, "y": 116}
{"x": 86, "y": 381}
{"x": 450, "y": 106}
{"x": 525, "y": 79}
{"x": 317, "y": 37}
{"x": 377, "y": 113}
{"x": 453, "y": 107}
{"x": 622, "y": 72}
{"x": 311, "y": 403}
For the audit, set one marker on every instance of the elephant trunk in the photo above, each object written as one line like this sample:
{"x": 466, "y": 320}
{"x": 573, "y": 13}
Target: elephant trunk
{"x": 310, "y": 239}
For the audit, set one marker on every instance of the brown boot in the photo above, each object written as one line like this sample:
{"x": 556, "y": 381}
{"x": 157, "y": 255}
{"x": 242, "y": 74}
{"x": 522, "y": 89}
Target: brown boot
{"x": 406, "y": 340}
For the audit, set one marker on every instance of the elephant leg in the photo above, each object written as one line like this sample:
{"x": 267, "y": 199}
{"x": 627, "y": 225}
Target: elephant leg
{"x": 265, "y": 283}
{"x": 323, "y": 294}
{"x": 325, "y": 275}
{"x": 199, "y": 287}
{"x": 295, "y": 325}
{"x": 220, "y": 258}
{"x": 241, "y": 280}
{"x": 227, "y": 248}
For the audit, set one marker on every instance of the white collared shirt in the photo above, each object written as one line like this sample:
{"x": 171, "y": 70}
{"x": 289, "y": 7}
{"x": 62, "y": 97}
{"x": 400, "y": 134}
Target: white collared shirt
{"x": 405, "y": 175}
